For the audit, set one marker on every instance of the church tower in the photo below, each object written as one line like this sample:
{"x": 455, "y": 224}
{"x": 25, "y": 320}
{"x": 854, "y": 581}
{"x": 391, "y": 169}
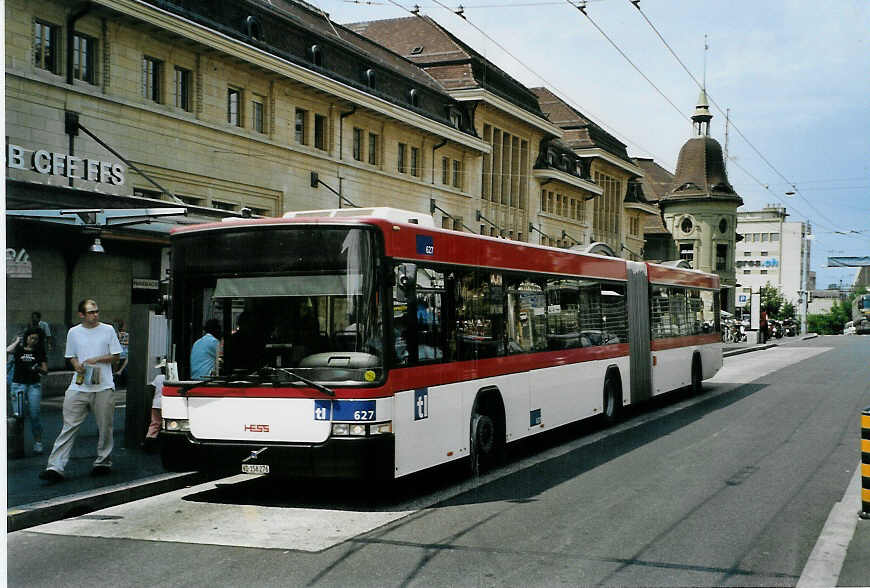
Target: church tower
{"x": 700, "y": 211}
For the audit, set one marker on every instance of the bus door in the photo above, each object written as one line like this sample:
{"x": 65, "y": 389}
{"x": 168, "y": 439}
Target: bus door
{"x": 639, "y": 332}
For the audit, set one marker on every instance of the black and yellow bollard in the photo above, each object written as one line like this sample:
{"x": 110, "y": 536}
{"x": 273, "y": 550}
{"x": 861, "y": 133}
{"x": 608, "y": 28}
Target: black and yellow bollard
{"x": 865, "y": 464}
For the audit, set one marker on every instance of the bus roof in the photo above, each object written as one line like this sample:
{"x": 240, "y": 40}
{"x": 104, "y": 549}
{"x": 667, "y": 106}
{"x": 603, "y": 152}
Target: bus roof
{"x": 423, "y": 242}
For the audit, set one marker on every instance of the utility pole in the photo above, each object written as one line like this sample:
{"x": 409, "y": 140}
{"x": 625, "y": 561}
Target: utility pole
{"x": 806, "y": 237}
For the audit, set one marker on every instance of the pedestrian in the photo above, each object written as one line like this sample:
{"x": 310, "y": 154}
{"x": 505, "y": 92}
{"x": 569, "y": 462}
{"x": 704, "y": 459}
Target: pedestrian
{"x": 91, "y": 347}
{"x": 47, "y": 340}
{"x": 124, "y": 340}
{"x": 30, "y": 364}
{"x": 203, "y": 354}
{"x": 156, "y": 407}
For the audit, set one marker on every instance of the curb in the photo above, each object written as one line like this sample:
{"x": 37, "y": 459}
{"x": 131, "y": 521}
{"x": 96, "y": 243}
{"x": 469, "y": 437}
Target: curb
{"x": 748, "y": 349}
{"x": 55, "y": 509}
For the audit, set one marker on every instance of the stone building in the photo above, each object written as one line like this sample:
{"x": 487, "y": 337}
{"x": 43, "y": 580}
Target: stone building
{"x": 214, "y": 108}
{"x": 618, "y": 216}
{"x": 529, "y": 186}
{"x": 700, "y": 210}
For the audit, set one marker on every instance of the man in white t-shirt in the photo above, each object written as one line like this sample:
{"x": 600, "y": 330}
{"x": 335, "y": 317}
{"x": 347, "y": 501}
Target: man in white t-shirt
{"x": 92, "y": 347}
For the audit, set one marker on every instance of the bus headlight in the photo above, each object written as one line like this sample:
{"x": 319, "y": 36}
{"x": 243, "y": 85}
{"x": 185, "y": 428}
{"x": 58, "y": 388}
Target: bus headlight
{"x": 361, "y": 430}
{"x": 381, "y": 428}
{"x": 176, "y": 425}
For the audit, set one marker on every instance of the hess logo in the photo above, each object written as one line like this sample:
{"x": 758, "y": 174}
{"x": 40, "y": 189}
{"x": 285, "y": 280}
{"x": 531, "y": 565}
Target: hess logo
{"x": 256, "y": 428}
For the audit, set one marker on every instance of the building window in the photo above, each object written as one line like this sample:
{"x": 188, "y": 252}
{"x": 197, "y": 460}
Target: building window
{"x": 258, "y": 118}
{"x": 84, "y": 58}
{"x": 319, "y": 131}
{"x": 192, "y": 201}
{"x": 145, "y": 193}
{"x": 400, "y": 158}
{"x": 763, "y": 272}
{"x": 301, "y": 116}
{"x": 46, "y": 44}
{"x": 223, "y": 205}
{"x": 774, "y": 236}
{"x": 687, "y": 252}
{"x": 357, "y": 143}
{"x": 686, "y": 225}
{"x": 457, "y": 174}
{"x": 765, "y": 237}
{"x": 723, "y": 225}
{"x": 415, "y": 161}
{"x": 445, "y": 171}
{"x": 151, "y": 72}
{"x": 721, "y": 257}
{"x": 749, "y": 271}
{"x": 182, "y": 88}
{"x": 315, "y": 55}
{"x": 747, "y": 253}
{"x": 764, "y": 254}
{"x": 373, "y": 149}
{"x": 234, "y": 106}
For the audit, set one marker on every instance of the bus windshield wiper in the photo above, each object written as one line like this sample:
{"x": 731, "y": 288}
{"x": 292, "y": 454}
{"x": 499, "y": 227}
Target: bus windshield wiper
{"x": 231, "y": 379}
{"x": 292, "y": 374}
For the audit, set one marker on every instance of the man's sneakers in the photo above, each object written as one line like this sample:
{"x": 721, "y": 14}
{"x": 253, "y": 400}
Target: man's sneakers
{"x": 101, "y": 470}
{"x": 52, "y": 476}
{"x": 37, "y": 448}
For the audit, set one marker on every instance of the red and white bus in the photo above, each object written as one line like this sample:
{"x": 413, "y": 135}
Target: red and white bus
{"x": 368, "y": 343}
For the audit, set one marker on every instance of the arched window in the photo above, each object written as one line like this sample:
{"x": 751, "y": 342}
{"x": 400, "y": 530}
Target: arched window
{"x": 315, "y": 55}
{"x": 370, "y": 78}
{"x": 252, "y": 27}
{"x": 414, "y": 97}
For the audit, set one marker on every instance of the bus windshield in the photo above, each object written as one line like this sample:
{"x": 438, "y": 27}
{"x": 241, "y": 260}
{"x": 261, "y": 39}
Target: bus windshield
{"x": 299, "y": 298}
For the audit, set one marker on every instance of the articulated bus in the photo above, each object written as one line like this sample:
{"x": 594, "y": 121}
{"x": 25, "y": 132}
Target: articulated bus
{"x": 366, "y": 343}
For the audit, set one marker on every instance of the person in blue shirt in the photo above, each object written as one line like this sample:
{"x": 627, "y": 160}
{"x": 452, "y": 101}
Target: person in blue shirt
{"x": 203, "y": 355}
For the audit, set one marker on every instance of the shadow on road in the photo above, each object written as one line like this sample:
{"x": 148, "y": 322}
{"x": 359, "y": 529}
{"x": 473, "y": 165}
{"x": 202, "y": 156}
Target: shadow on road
{"x": 520, "y": 486}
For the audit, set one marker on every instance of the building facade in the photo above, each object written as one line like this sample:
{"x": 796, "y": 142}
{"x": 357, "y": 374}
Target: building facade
{"x": 210, "y": 108}
{"x": 773, "y": 251}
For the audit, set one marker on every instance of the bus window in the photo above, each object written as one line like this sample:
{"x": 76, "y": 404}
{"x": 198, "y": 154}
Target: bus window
{"x": 677, "y": 308}
{"x": 563, "y": 308}
{"x": 614, "y": 317}
{"x": 659, "y": 316}
{"x": 430, "y": 333}
{"x": 479, "y": 301}
{"x": 526, "y": 316}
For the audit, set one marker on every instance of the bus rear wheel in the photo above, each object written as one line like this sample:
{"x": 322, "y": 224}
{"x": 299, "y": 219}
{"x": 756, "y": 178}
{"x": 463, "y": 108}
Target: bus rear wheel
{"x": 612, "y": 400}
{"x": 697, "y": 376}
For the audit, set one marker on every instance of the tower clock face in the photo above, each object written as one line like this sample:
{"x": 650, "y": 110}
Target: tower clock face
{"x": 723, "y": 226}
{"x": 686, "y": 225}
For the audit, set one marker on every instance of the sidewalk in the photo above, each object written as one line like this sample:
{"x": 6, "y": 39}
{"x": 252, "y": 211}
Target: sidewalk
{"x": 135, "y": 473}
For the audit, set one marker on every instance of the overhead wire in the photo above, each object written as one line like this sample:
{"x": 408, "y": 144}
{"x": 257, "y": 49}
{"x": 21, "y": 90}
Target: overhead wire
{"x": 636, "y": 4}
{"x": 561, "y": 93}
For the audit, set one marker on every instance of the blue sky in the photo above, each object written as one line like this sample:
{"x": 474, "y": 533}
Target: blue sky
{"x": 795, "y": 75}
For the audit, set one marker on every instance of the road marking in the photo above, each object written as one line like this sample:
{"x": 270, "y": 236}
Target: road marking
{"x": 171, "y": 518}
{"x": 826, "y": 560}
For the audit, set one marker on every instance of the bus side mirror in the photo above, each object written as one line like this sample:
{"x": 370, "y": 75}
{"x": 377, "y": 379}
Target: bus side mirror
{"x": 406, "y": 279}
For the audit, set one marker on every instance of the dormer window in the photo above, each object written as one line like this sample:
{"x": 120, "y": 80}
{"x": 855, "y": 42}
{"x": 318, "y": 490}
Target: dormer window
{"x": 369, "y": 78}
{"x": 252, "y": 27}
{"x": 417, "y": 50}
{"x": 315, "y": 55}
{"x": 414, "y": 97}
{"x": 566, "y": 165}
{"x": 455, "y": 119}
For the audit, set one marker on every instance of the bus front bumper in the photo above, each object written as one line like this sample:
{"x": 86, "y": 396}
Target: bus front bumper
{"x": 370, "y": 458}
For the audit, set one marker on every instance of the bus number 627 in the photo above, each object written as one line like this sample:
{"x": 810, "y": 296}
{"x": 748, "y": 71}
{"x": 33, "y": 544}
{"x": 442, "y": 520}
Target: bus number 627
{"x": 363, "y": 415}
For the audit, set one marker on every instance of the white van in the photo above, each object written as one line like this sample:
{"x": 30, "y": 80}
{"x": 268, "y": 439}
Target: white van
{"x": 849, "y": 328}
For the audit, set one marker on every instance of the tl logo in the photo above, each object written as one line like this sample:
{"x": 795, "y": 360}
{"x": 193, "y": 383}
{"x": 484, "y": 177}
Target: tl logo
{"x": 256, "y": 428}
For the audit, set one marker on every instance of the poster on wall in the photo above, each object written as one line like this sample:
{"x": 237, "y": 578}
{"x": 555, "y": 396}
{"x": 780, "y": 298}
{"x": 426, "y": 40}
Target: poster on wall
{"x": 18, "y": 263}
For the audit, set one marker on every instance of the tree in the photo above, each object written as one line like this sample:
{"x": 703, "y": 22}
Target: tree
{"x": 787, "y": 311}
{"x": 771, "y": 300}
{"x": 833, "y": 321}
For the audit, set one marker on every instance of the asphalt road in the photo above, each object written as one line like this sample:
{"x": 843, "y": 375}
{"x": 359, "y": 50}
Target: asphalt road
{"x": 729, "y": 488}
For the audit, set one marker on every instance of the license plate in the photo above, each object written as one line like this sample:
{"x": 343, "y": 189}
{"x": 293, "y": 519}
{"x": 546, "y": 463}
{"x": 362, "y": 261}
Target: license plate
{"x": 253, "y": 468}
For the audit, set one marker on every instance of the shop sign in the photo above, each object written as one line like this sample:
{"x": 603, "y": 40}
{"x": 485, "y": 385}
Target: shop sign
{"x": 51, "y": 163}
{"x": 18, "y": 263}
{"x": 145, "y": 284}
